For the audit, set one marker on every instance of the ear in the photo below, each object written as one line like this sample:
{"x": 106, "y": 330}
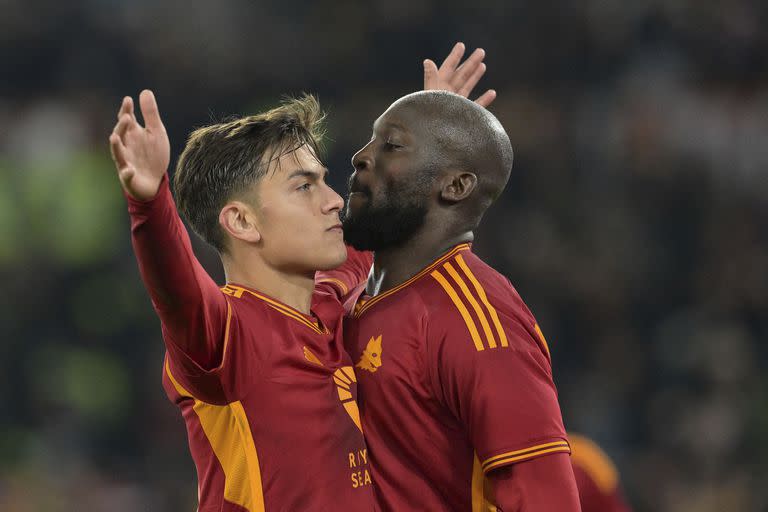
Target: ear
{"x": 456, "y": 187}
{"x": 239, "y": 221}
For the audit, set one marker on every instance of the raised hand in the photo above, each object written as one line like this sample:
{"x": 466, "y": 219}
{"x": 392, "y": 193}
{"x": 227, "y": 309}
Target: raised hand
{"x": 458, "y": 78}
{"x": 141, "y": 154}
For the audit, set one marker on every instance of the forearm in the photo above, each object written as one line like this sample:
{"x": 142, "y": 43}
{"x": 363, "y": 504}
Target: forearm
{"x": 542, "y": 484}
{"x": 187, "y": 300}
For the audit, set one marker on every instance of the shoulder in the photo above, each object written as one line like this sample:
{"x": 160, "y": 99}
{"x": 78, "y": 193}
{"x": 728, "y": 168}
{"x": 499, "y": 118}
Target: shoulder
{"x": 468, "y": 298}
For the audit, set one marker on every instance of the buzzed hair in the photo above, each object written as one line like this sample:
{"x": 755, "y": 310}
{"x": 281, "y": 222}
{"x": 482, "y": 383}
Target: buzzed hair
{"x": 467, "y": 136}
{"x": 222, "y": 161}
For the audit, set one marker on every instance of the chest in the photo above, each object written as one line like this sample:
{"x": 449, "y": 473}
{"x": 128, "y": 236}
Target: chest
{"x": 389, "y": 350}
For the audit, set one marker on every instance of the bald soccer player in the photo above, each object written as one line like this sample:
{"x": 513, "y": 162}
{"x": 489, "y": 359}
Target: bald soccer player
{"x": 455, "y": 382}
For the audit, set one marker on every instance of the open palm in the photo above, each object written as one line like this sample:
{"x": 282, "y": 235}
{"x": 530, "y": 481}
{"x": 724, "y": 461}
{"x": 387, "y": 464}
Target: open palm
{"x": 141, "y": 154}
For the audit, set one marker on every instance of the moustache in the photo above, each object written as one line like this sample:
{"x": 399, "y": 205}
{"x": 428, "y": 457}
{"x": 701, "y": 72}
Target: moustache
{"x": 353, "y": 185}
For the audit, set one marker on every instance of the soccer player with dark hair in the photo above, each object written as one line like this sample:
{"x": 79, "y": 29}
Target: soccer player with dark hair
{"x": 257, "y": 367}
{"x": 456, "y": 393}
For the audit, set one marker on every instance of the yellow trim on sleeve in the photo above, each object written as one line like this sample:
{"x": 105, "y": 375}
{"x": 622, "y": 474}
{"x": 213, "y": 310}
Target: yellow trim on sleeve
{"x": 525, "y": 454}
{"x": 484, "y": 299}
{"x": 462, "y": 309}
{"x": 227, "y": 429}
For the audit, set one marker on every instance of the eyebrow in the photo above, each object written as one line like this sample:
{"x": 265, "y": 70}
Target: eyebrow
{"x": 396, "y": 126}
{"x": 306, "y": 173}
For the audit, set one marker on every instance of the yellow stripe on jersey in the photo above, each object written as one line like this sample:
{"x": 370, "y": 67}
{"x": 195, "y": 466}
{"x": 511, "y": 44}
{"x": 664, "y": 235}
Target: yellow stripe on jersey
{"x": 229, "y": 434}
{"x": 479, "y": 312}
{"x": 542, "y": 339}
{"x": 588, "y": 456}
{"x": 525, "y": 454}
{"x": 237, "y": 291}
{"x": 480, "y": 502}
{"x": 484, "y": 299}
{"x": 342, "y": 286}
{"x": 461, "y": 307}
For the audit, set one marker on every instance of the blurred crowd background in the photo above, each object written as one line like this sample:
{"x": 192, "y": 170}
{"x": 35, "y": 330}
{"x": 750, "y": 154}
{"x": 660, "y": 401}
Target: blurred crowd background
{"x": 635, "y": 224}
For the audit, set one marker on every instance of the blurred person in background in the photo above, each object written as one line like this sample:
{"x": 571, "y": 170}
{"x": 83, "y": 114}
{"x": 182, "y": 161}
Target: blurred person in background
{"x": 596, "y": 477}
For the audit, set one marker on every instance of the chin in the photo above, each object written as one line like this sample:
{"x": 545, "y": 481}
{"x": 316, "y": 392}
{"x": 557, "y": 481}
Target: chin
{"x": 333, "y": 257}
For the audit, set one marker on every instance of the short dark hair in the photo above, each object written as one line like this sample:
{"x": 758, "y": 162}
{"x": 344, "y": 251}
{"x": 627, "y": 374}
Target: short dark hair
{"x": 223, "y": 160}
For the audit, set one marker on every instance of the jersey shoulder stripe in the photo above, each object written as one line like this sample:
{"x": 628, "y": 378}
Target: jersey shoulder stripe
{"x": 468, "y": 294}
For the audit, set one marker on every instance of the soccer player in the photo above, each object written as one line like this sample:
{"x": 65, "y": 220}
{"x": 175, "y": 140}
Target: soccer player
{"x": 257, "y": 367}
{"x": 259, "y": 372}
{"x": 596, "y": 477}
{"x": 456, "y": 392}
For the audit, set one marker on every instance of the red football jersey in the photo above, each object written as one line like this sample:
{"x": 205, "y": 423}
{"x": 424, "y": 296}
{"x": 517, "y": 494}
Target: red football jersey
{"x": 267, "y": 392}
{"x": 596, "y": 478}
{"x": 455, "y": 381}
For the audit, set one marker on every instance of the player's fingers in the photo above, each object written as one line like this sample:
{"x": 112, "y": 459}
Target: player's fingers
{"x": 430, "y": 75}
{"x": 126, "y": 107}
{"x": 118, "y": 151}
{"x": 122, "y": 125}
{"x": 471, "y": 82}
{"x": 468, "y": 67}
{"x": 453, "y": 58}
{"x": 150, "y": 111}
{"x": 486, "y": 98}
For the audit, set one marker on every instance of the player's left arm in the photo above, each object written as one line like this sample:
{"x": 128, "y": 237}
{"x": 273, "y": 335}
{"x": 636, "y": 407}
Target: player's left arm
{"x": 544, "y": 483}
{"x": 492, "y": 370}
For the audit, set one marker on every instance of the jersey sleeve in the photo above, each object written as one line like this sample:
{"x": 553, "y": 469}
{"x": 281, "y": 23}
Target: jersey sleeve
{"x": 194, "y": 313}
{"x": 342, "y": 280}
{"x": 496, "y": 378}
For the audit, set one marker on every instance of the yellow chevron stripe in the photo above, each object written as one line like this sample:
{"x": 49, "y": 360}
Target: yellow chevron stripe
{"x": 484, "y": 299}
{"x": 479, "y": 312}
{"x": 462, "y": 309}
{"x": 526, "y": 451}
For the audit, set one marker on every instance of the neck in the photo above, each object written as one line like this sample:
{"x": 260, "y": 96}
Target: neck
{"x": 392, "y": 267}
{"x": 292, "y": 289}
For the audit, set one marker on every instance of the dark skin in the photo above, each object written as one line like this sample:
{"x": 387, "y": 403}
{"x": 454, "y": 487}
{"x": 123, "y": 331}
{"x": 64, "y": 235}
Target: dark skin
{"x": 409, "y": 139}
{"x": 402, "y": 142}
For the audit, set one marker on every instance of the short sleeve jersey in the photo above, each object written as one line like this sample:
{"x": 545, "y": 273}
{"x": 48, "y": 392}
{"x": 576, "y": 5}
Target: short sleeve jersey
{"x": 455, "y": 381}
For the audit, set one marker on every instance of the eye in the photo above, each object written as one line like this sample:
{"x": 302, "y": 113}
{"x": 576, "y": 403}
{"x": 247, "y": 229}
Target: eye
{"x": 305, "y": 187}
{"x": 389, "y": 144}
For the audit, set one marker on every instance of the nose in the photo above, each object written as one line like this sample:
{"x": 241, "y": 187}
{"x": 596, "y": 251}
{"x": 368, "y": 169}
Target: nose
{"x": 362, "y": 159}
{"x": 333, "y": 202}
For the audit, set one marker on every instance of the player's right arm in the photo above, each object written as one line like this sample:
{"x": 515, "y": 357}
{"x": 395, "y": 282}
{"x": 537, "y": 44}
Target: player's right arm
{"x": 192, "y": 309}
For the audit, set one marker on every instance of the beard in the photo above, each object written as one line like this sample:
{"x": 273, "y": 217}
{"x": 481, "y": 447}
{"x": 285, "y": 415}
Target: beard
{"x": 390, "y": 221}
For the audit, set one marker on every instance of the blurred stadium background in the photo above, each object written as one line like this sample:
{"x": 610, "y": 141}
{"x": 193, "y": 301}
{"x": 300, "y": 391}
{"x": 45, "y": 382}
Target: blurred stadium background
{"x": 635, "y": 224}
